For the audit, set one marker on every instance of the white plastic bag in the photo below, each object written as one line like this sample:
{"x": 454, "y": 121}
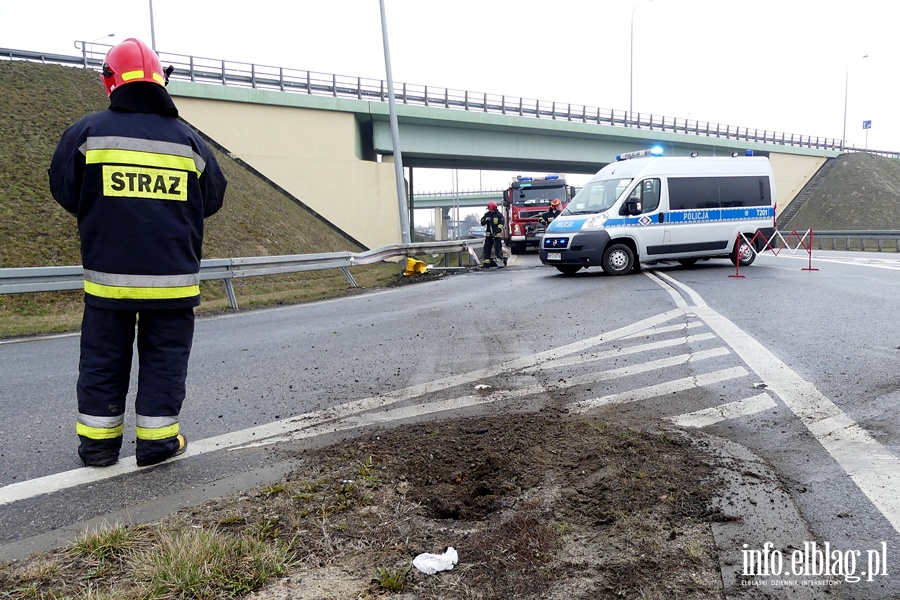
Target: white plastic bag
{"x": 432, "y": 563}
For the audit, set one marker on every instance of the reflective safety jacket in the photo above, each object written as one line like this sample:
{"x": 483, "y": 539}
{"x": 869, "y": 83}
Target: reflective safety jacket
{"x": 547, "y": 217}
{"x": 140, "y": 184}
{"x": 493, "y": 223}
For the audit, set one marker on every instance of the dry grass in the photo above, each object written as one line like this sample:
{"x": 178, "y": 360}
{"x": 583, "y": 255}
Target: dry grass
{"x": 548, "y": 507}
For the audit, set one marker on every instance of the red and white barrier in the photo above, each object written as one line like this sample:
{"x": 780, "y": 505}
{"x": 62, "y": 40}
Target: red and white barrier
{"x": 776, "y": 244}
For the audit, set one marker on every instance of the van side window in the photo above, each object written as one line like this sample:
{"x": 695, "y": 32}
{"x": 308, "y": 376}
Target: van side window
{"x": 650, "y": 194}
{"x": 745, "y": 191}
{"x": 692, "y": 193}
{"x": 647, "y": 193}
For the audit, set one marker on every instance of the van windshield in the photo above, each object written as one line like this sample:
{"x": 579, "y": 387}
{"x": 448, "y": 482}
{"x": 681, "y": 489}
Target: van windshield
{"x": 597, "y": 196}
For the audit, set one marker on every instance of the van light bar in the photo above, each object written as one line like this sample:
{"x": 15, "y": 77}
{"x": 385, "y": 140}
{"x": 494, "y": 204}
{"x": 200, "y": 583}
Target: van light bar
{"x": 654, "y": 151}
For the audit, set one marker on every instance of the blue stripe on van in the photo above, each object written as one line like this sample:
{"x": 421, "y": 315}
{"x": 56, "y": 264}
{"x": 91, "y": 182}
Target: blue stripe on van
{"x": 566, "y": 224}
{"x": 704, "y": 215}
{"x": 638, "y": 221}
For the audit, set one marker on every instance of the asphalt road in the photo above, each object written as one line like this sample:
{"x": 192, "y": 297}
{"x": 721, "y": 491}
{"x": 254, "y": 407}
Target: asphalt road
{"x": 799, "y": 366}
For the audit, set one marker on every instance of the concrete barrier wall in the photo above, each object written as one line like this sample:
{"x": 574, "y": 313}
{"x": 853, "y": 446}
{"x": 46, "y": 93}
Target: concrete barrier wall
{"x": 792, "y": 172}
{"x": 314, "y": 155}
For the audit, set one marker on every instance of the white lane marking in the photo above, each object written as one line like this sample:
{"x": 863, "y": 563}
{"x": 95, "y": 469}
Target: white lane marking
{"x": 889, "y": 267}
{"x": 873, "y": 468}
{"x": 651, "y": 365}
{"x": 666, "y": 329}
{"x": 373, "y": 417}
{"x": 585, "y": 358}
{"x": 660, "y": 389}
{"x": 730, "y": 410}
{"x": 875, "y": 263}
{"x": 75, "y": 477}
{"x": 377, "y": 418}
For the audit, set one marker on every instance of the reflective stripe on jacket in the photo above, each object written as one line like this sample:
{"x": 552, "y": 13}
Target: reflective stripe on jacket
{"x": 493, "y": 223}
{"x": 140, "y": 185}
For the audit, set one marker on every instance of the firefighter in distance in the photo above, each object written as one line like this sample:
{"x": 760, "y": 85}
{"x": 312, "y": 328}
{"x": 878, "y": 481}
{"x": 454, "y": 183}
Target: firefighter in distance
{"x": 546, "y": 217}
{"x": 140, "y": 183}
{"x": 493, "y": 236}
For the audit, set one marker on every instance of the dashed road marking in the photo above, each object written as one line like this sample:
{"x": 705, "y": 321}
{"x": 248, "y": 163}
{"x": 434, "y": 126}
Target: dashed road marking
{"x": 730, "y": 410}
{"x": 661, "y": 389}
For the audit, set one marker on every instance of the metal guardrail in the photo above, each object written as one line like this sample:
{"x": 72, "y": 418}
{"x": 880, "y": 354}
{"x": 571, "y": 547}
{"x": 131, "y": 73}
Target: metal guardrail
{"x": 849, "y": 240}
{"x": 53, "y": 279}
{"x": 232, "y": 73}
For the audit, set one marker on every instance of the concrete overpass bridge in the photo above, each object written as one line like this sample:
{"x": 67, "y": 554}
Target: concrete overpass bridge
{"x": 326, "y": 139}
{"x": 448, "y": 200}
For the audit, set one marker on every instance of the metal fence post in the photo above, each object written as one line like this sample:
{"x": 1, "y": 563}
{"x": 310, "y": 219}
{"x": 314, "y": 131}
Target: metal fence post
{"x": 349, "y": 277}
{"x": 229, "y": 292}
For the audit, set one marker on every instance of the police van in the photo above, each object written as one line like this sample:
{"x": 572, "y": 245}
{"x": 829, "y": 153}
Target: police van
{"x": 645, "y": 207}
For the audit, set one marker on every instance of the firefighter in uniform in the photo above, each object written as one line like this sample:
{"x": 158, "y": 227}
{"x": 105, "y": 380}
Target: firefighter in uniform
{"x": 547, "y": 217}
{"x": 493, "y": 235}
{"x": 140, "y": 183}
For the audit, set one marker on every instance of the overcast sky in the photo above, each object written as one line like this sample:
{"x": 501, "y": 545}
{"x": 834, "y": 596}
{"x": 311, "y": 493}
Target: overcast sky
{"x": 781, "y": 65}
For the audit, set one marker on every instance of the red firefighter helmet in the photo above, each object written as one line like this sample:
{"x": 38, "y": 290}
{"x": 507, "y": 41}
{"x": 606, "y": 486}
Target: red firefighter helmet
{"x": 492, "y": 205}
{"x": 555, "y": 203}
{"x": 131, "y": 61}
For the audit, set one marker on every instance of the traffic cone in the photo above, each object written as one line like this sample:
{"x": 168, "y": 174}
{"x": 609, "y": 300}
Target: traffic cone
{"x": 414, "y": 266}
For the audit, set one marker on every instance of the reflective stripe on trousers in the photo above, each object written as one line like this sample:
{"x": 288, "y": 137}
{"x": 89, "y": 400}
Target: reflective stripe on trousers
{"x": 164, "y": 339}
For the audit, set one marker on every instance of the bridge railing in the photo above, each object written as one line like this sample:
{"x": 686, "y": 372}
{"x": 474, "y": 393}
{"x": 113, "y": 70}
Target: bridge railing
{"x": 232, "y": 73}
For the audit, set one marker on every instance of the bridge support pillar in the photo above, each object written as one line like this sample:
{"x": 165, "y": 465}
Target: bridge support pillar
{"x": 440, "y": 223}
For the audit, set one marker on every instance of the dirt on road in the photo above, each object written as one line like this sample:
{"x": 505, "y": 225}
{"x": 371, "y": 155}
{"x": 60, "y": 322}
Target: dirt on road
{"x": 542, "y": 505}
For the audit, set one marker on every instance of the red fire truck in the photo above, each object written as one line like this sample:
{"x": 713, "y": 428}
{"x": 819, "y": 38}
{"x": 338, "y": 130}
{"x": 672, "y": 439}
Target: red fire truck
{"x": 523, "y": 202}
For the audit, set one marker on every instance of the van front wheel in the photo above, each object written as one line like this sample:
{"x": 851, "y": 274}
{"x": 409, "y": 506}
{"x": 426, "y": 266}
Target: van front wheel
{"x": 746, "y": 252}
{"x": 618, "y": 260}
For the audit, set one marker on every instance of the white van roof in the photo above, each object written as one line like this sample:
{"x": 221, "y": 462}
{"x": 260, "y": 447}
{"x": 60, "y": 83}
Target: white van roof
{"x": 685, "y": 166}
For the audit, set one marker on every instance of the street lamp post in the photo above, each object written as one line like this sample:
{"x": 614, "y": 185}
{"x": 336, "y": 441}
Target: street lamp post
{"x": 846, "y": 89}
{"x": 103, "y": 37}
{"x": 89, "y": 46}
{"x": 152, "y": 28}
{"x": 395, "y": 134}
{"x": 631, "y": 59}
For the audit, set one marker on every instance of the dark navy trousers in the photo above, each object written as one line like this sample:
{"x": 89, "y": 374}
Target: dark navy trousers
{"x": 164, "y": 339}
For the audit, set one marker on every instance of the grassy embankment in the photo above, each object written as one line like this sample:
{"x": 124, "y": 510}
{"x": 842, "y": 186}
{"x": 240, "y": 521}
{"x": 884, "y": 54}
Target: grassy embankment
{"x": 40, "y": 101}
